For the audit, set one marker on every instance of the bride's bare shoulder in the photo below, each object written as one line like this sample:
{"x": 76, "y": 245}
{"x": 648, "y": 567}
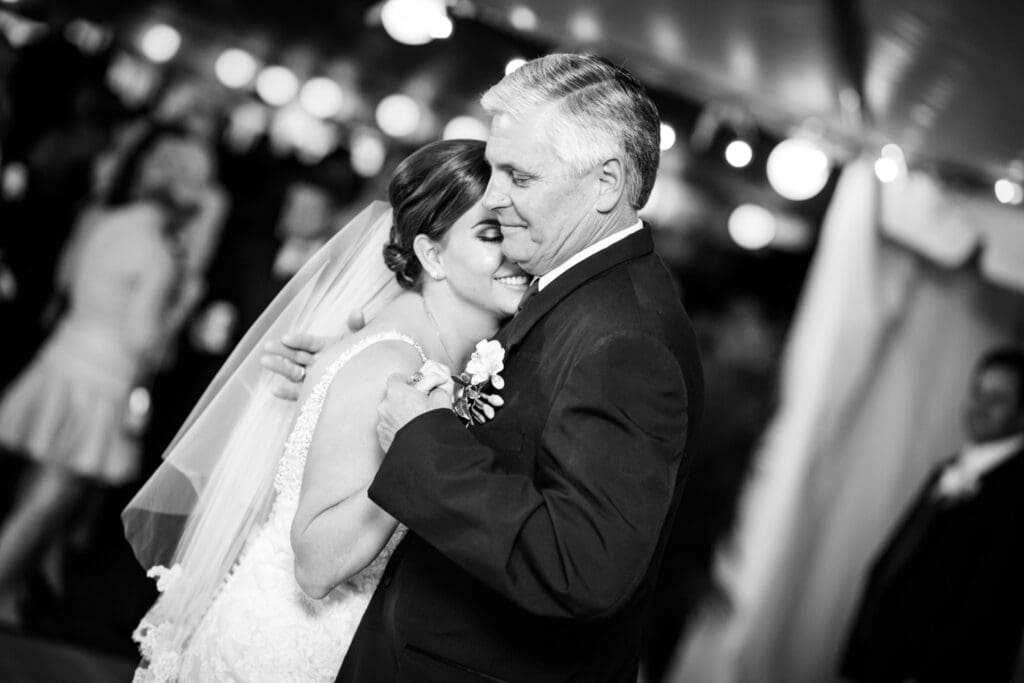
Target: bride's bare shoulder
{"x": 372, "y": 355}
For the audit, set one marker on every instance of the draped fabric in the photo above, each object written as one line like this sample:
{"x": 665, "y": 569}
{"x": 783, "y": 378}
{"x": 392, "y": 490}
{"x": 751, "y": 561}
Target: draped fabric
{"x": 873, "y": 382}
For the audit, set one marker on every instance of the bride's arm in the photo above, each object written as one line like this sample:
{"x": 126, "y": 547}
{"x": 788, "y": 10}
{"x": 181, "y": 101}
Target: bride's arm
{"x": 337, "y": 529}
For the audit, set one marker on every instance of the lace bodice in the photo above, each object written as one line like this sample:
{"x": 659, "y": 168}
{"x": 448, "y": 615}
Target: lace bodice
{"x": 261, "y": 626}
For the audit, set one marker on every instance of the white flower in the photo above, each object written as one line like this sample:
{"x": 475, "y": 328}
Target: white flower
{"x": 486, "y": 362}
{"x": 165, "y": 578}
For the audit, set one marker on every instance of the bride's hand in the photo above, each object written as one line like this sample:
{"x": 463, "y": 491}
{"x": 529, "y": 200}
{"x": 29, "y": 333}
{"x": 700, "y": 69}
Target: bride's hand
{"x": 436, "y": 376}
{"x": 288, "y": 358}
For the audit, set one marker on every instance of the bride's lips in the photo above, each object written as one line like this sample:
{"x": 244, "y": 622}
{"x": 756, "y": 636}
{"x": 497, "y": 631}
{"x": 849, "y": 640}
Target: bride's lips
{"x": 517, "y": 281}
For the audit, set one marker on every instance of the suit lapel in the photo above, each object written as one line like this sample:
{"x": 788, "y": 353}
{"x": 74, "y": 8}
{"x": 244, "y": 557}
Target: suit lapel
{"x": 634, "y": 246}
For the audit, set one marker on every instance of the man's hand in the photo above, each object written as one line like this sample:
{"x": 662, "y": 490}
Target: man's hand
{"x": 288, "y": 358}
{"x": 404, "y": 401}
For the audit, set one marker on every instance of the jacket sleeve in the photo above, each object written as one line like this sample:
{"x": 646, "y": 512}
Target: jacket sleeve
{"x": 576, "y": 539}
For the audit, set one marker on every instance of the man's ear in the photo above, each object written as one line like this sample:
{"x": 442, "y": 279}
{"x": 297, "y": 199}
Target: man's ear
{"x": 611, "y": 185}
{"x": 427, "y": 252}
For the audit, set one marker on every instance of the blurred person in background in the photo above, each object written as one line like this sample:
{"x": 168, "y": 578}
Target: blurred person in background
{"x": 125, "y": 271}
{"x": 945, "y": 598}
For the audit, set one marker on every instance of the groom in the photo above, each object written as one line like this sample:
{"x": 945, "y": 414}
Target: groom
{"x": 535, "y": 538}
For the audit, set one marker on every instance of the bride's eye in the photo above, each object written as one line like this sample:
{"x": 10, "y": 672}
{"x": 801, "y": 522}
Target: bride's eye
{"x": 490, "y": 235}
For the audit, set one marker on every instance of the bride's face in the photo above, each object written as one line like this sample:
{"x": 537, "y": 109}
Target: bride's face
{"x": 475, "y": 268}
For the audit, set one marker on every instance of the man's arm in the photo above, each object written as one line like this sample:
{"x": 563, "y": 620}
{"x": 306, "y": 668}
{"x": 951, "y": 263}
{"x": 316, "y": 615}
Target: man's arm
{"x": 576, "y": 539}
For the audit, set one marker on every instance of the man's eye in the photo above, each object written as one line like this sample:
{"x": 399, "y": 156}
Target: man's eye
{"x": 519, "y": 180}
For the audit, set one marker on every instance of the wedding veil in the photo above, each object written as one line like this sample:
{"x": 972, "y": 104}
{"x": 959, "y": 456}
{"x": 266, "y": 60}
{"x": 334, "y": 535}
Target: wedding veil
{"x": 216, "y": 482}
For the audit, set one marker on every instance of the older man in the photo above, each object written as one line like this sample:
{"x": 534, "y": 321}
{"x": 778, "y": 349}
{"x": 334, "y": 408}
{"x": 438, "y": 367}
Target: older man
{"x": 535, "y": 538}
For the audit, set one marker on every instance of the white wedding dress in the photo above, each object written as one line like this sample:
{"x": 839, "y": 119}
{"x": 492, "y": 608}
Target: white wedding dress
{"x": 261, "y": 626}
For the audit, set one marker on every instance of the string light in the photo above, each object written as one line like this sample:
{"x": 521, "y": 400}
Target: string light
{"x": 321, "y": 97}
{"x": 522, "y": 17}
{"x": 668, "y": 136}
{"x": 465, "y": 128}
{"x": 277, "y": 85}
{"x": 797, "y": 169}
{"x": 890, "y": 164}
{"x": 1008, "y": 192}
{"x": 235, "y": 68}
{"x": 415, "y": 22}
{"x": 739, "y": 153}
{"x": 367, "y": 154}
{"x": 752, "y": 226}
{"x": 514, "y": 64}
{"x": 160, "y": 43}
{"x": 398, "y": 115}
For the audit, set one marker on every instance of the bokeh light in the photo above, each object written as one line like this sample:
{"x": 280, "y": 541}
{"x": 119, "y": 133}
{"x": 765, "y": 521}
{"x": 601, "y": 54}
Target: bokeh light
{"x": 514, "y": 64}
{"x": 160, "y": 43}
{"x": 465, "y": 128}
{"x": 890, "y": 164}
{"x": 235, "y": 68}
{"x": 415, "y": 22}
{"x": 277, "y": 85}
{"x": 398, "y": 115}
{"x": 522, "y": 18}
{"x": 294, "y": 129}
{"x": 797, "y": 169}
{"x": 668, "y": 136}
{"x": 752, "y": 226}
{"x": 1008, "y": 192}
{"x": 739, "y": 153}
{"x": 321, "y": 97}
{"x": 440, "y": 27}
{"x": 89, "y": 37}
{"x": 367, "y": 153}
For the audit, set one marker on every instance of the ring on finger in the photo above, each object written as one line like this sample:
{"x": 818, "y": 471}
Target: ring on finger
{"x": 414, "y": 378}
{"x": 302, "y": 373}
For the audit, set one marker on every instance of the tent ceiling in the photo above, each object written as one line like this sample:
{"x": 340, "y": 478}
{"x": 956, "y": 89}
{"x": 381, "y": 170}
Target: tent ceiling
{"x": 942, "y": 78}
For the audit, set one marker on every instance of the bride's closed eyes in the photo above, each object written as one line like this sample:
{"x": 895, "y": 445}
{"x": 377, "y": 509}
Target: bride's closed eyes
{"x": 488, "y": 231}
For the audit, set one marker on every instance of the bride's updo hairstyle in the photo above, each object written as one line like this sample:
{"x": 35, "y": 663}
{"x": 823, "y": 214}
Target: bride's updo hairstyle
{"x": 430, "y": 190}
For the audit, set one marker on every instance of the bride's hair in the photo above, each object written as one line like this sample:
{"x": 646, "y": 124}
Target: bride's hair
{"x": 430, "y": 190}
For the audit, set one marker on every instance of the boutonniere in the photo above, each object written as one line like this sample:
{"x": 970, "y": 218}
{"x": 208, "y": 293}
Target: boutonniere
{"x": 957, "y": 483}
{"x": 475, "y": 387}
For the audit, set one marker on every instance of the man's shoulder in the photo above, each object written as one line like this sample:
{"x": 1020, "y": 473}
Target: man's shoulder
{"x": 626, "y": 296}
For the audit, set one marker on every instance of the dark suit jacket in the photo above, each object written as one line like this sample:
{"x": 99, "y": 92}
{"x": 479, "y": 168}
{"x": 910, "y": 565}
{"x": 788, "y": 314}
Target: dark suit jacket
{"x": 945, "y": 598}
{"x": 535, "y": 538}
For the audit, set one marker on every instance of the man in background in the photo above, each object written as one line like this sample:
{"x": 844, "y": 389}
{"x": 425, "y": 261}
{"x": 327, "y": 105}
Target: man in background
{"x": 945, "y": 597}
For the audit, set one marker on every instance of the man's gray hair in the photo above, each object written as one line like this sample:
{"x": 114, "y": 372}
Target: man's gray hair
{"x": 602, "y": 112}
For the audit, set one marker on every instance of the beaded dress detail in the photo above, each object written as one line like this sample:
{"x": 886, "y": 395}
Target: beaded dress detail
{"x": 261, "y": 626}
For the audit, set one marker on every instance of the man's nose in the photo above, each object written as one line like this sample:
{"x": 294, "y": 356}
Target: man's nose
{"x": 495, "y": 196}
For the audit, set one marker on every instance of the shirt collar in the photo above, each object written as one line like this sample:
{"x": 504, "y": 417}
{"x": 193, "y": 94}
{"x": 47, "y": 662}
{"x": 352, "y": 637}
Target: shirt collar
{"x": 979, "y": 458}
{"x": 600, "y": 245}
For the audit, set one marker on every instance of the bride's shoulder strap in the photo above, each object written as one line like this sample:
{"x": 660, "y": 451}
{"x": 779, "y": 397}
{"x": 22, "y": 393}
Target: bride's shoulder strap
{"x": 362, "y": 344}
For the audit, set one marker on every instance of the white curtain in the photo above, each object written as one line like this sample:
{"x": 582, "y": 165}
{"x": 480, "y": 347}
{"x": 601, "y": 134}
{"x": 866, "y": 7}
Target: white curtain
{"x": 895, "y": 310}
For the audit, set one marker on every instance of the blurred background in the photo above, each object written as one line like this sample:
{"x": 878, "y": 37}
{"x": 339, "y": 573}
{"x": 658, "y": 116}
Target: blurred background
{"x": 839, "y": 197}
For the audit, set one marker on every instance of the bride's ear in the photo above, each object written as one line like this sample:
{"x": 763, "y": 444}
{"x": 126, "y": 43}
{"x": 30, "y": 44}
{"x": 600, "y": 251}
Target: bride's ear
{"x": 427, "y": 252}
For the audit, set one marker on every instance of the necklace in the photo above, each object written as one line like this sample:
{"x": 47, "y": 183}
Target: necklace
{"x": 437, "y": 331}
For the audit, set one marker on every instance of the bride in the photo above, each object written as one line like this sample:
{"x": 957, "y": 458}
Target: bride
{"x": 280, "y": 549}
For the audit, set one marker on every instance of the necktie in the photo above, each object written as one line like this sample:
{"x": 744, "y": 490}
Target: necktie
{"x": 531, "y": 290}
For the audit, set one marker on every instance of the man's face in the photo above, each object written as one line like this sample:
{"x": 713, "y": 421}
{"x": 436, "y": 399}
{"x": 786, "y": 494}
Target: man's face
{"x": 994, "y": 408}
{"x": 545, "y": 210}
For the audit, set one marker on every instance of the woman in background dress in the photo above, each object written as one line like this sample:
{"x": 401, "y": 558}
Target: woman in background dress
{"x": 123, "y": 273}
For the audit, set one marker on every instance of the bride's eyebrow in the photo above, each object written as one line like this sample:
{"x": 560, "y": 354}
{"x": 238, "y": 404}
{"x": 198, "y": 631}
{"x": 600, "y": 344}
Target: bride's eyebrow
{"x": 488, "y": 223}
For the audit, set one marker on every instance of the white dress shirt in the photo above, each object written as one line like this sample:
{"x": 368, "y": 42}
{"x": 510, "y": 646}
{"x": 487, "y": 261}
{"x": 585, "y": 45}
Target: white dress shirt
{"x": 600, "y": 245}
{"x": 962, "y": 476}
